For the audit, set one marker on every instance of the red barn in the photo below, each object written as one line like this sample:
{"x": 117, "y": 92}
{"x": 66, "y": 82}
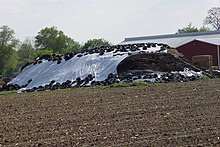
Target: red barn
{"x": 189, "y": 44}
{"x": 201, "y": 47}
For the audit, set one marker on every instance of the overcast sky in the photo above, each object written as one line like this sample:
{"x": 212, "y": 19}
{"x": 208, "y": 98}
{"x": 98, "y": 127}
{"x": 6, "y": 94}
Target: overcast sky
{"x": 112, "y": 20}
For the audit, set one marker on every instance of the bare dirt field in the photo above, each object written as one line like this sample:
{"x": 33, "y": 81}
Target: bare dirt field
{"x": 171, "y": 114}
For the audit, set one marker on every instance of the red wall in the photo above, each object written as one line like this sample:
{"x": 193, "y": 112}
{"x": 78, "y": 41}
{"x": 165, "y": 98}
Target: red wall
{"x": 199, "y": 48}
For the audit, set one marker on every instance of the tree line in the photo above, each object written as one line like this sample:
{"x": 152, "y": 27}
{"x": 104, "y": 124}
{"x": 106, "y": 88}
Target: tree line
{"x": 14, "y": 53}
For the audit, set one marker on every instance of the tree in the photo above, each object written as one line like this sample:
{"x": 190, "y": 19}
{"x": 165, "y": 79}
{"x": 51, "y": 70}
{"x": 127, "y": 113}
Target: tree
{"x": 213, "y": 18}
{"x": 8, "y": 54}
{"x": 42, "y": 52}
{"x": 56, "y": 40}
{"x": 204, "y": 29}
{"x": 95, "y": 43}
{"x": 191, "y": 29}
{"x": 25, "y": 52}
{"x": 71, "y": 46}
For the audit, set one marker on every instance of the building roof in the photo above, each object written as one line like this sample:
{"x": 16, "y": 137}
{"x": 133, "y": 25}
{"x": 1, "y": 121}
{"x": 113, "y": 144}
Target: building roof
{"x": 215, "y": 41}
{"x": 176, "y": 40}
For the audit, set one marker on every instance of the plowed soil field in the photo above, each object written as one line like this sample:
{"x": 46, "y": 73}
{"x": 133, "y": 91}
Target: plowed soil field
{"x": 170, "y": 114}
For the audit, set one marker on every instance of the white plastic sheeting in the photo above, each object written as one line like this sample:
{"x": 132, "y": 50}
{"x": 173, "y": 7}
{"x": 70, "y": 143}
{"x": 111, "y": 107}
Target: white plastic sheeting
{"x": 95, "y": 64}
{"x": 98, "y": 65}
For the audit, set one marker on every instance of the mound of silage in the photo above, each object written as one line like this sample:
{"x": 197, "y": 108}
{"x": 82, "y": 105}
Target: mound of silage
{"x": 162, "y": 62}
{"x": 97, "y": 66}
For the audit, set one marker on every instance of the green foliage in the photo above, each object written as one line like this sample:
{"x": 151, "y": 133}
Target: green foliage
{"x": 7, "y": 37}
{"x": 11, "y": 65}
{"x": 191, "y": 29}
{"x": 57, "y": 41}
{"x": 204, "y": 29}
{"x": 205, "y": 78}
{"x": 41, "y": 52}
{"x": 7, "y": 92}
{"x": 95, "y": 43}
{"x": 8, "y": 54}
{"x": 213, "y": 18}
{"x": 72, "y": 46}
{"x": 129, "y": 84}
{"x": 26, "y": 52}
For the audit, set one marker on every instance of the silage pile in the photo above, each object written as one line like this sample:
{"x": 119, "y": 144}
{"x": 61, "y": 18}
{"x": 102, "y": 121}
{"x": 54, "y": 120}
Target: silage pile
{"x": 106, "y": 65}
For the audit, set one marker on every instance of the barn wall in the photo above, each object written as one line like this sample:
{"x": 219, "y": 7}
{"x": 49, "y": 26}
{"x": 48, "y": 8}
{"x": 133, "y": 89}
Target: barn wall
{"x": 199, "y": 48}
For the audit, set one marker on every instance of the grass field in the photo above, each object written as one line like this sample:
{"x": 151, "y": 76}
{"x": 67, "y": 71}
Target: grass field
{"x": 170, "y": 114}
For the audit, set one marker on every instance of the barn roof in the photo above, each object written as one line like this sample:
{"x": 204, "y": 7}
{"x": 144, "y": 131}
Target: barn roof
{"x": 176, "y": 40}
{"x": 215, "y": 41}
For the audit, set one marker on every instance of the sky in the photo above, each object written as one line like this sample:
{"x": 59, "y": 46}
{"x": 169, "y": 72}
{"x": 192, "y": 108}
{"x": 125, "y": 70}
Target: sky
{"x": 112, "y": 20}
